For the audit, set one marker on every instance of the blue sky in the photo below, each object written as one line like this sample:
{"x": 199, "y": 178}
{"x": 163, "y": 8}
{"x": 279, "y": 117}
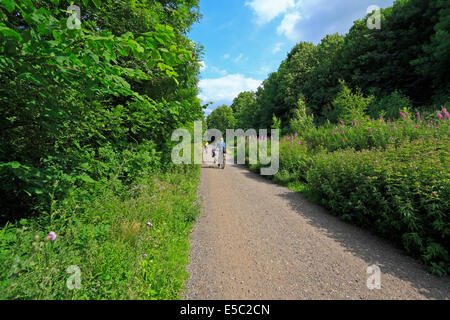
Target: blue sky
{"x": 245, "y": 40}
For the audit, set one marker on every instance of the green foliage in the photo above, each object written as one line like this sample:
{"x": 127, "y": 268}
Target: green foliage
{"x": 301, "y": 121}
{"x": 390, "y": 106}
{"x": 401, "y": 193}
{"x": 276, "y": 123}
{"x": 221, "y": 119}
{"x": 74, "y": 101}
{"x": 244, "y": 109}
{"x": 323, "y": 86}
{"x": 404, "y": 64}
{"x": 107, "y": 237}
{"x": 349, "y": 106}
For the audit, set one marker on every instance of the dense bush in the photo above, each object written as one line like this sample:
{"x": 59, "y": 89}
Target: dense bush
{"x": 76, "y": 104}
{"x": 401, "y": 192}
{"x": 131, "y": 244}
{"x": 301, "y": 121}
{"x": 389, "y": 106}
{"x": 369, "y": 133}
{"x": 349, "y": 106}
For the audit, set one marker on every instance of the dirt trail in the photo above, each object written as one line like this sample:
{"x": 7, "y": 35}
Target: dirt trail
{"x": 258, "y": 240}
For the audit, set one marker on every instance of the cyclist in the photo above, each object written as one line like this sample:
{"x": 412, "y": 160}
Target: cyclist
{"x": 222, "y": 149}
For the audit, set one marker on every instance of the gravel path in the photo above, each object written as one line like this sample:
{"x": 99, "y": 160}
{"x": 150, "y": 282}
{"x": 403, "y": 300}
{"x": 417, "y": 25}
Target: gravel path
{"x": 258, "y": 240}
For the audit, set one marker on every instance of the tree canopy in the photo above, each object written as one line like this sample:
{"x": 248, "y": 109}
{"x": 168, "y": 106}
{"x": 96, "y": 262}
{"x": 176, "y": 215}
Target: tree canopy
{"x": 73, "y": 99}
{"x": 221, "y": 119}
{"x": 404, "y": 61}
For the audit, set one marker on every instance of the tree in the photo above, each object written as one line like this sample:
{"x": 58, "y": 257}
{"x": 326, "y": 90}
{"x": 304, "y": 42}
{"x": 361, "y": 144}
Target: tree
{"x": 350, "y": 106}
{"x": 294, "y": 73}
{"x": 323, "y": 85}
{"x": 434, "y": 62}
{"x": 75, "y": 102}
{"x": 245, "y": 108}
{"x": 405, "y": 61}
{"x": 221, "y": 119}
{"x": 268, "y": 101}
{"x": 381, "y": 61}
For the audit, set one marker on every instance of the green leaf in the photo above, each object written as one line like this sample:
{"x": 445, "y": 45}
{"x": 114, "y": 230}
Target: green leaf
{"x": 8, "y": 32}
{"x": 95, "y": 58}
{"x": 86, "y": 178}
{"x": 161, "y": 41}
{"x": 42, "y": 28}
{"x": 37, "y": 191}
{"x": 123, "y": 51}
{"x": 97, "y": 3}
{"x": 57, "y": 35}
{"x": 9, "y": 5}
{"x": 13, "y": 164}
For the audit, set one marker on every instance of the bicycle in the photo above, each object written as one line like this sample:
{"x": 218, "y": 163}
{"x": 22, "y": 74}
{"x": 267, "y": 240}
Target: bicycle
{"x": 224, "y": 161}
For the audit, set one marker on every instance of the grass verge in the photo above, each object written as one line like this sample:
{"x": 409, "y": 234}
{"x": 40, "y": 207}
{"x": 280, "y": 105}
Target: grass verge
{"x": 132, "y": 245}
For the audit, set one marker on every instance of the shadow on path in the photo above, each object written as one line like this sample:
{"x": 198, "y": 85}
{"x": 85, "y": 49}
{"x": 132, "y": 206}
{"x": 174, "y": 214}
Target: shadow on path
{"x": 362, "y": 243}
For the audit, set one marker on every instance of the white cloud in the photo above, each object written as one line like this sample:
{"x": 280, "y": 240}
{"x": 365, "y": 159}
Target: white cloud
{"x": 239, "y": 58}
{"x": 202, "y": 65}
{"x": 311, "y": 20}
{"x": 267, "y": 10}
{"x": 219, "y": 71}
{"x": 265, "y": 70}
{"x": 223, "y": 90}
{"x": 288, "y": 26}
{"x": 226, "y": 56}
{"x": 277, "y": 47}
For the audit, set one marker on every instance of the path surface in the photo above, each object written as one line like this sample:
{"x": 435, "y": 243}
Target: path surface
{"x": 257, "y": 240}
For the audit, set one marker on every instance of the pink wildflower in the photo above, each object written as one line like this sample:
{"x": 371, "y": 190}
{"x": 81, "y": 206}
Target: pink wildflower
{"x": 149, "y": 224}
{"x": 371, "y": 130}
{"x": 404, "y": 115}
{"x": 51, "y": 236}
{"x": 440, "y": 116}
{"x": 446, "y": 113}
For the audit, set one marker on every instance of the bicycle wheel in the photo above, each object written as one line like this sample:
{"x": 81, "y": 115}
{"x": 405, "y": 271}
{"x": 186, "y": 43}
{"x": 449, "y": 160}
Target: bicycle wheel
{"x": 224, "y": 161}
